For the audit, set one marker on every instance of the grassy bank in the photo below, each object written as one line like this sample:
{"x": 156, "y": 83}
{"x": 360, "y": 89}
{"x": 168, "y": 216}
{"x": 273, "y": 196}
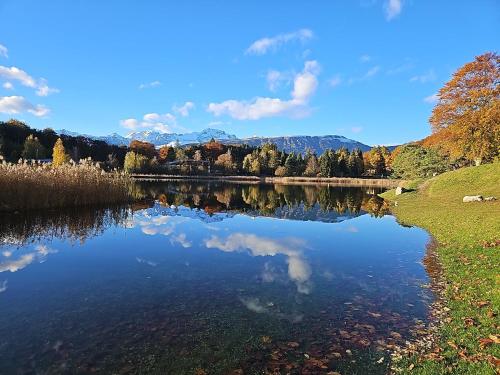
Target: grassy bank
{"x": 31, "y": 186}
{"x": 341, "y": 181}
{"x": 468, "y": 239}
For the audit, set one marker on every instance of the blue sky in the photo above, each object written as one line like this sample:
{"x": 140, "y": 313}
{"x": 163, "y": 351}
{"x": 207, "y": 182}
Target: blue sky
{"x": 364, "y": 69}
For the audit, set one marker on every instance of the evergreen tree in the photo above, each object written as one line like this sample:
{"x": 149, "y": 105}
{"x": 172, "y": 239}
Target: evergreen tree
{"x": 33, "y": 149}
{"x": 291, "y": 164}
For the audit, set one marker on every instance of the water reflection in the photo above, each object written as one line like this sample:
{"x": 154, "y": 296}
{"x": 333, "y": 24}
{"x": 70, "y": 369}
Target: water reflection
{"x": 76, "y": 224}
{"x": 211, "y": 278}
{"x": 296, "y": 202}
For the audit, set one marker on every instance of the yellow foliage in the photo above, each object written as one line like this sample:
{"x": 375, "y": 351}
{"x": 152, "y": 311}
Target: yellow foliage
{"x": 59, "y": 156}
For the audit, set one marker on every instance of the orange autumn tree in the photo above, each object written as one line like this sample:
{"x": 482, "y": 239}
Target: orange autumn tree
{"x": 466, "y": 118}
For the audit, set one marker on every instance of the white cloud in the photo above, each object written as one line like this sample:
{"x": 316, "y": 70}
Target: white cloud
{"x": 264, "y": 45}
{"x": 335, "y": 81}
{"x": 4, "y": 52}
{"x": 149, "y": 85}
{"x": 184, "y": 109}
{"x": 429, "y": 76}
{"x": 392, "y": 8}
{"x": 8, "y": 86}
{"x": 357, "y": 129}
{"x": 432, "y": 99}
{"x": 16, "y": 74}
{"x": 274, "y": 79}
{"x": 3, "y": 286}
{"x": 155, "y": 121}
{"x": 18, "y": 104}
{"x": 304, "y": 86}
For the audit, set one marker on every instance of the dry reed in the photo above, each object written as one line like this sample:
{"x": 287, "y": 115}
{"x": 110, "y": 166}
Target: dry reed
{"x": 28, "y": 185}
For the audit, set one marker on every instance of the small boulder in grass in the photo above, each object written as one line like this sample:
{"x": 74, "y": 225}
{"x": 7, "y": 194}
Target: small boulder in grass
{"x": 400, "y": 190}
{"x": 472, "y": 198}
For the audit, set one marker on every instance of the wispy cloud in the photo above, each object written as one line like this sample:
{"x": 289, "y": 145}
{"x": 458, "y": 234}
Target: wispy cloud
{"x": 365, "y": 58}
{"x": 4, "y": 52}
{"x": 149, "y": 85}
{"x": 184, "y": 109}
{"x": 335, "y": 81}
{"x": 356, "y": 129}
{"x": 15, "y": 74}
{"x": 373, "y": 71}
{"x": 14, "y": 105}
{"x": 432, "y": 99}
{"x": 264, "y": 45}
{"x": 408, "y": 65}
{"x": 275, "y": 79}
{"x": 305, "y": 84}
{"x": 393, "y": 8}
{"x": 151, "y": 121}
{"x": 429, "y": 76}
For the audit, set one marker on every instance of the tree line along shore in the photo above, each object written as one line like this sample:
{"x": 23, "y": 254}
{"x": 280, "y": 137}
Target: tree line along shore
{"x": 465, "y": 131}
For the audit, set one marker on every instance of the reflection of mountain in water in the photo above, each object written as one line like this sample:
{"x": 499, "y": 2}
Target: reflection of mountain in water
{"x": 192, "y": 213}
{"x": 293, "y": 202}
{"x": 314, "y": 213}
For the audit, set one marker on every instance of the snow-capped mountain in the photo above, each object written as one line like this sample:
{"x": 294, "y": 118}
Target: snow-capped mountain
{"x": 298, "y": 143}
{"x": 159, "y": 139}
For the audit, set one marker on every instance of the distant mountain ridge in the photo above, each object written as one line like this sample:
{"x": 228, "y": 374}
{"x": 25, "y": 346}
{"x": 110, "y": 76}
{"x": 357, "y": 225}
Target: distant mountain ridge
{"x": 297, "y": 143}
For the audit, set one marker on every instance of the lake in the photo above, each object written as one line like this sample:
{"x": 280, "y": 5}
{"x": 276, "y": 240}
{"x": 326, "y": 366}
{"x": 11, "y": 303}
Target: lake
{"x": 212, "y": 278}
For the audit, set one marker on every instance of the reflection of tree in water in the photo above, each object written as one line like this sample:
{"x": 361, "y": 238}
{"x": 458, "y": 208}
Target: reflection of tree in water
{"x": 75, "y": 224}
{"x": 266, "y": 198}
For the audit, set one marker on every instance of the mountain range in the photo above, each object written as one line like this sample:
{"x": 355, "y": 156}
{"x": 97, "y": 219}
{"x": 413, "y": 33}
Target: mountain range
{"x": 296, "y": 143}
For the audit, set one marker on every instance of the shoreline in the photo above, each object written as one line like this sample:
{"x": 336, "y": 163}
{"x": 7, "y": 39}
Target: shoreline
{"x": 338, "y": 181}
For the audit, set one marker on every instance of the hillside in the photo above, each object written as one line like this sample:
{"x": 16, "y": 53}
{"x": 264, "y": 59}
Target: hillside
{"x": 301, "y": 143}
{"x": 467, "y": 236}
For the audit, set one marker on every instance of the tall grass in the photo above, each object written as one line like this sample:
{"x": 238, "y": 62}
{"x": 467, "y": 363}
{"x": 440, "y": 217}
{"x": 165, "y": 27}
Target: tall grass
{"x": 27, "y": 185}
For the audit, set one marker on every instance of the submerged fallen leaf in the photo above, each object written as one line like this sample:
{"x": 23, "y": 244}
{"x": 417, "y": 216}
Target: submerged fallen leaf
{"x": 495, "y": 338}
{"x": 485, "y": 342}
{"x": 482, "y": 303}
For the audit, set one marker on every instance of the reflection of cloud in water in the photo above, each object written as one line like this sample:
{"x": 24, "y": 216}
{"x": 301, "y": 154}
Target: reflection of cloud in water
{"x": 40, "y": 254}
{"x": 298, "y": 269}
{"x": 17, "y": 264}
{"x": 7, "y": 253}
{"x": 152, "y": 225}
{"x": 255, "y": 305}
{"x": 182, "y": 240}
{"x": 148, "y": 262}
{"x": 3, "y": 286}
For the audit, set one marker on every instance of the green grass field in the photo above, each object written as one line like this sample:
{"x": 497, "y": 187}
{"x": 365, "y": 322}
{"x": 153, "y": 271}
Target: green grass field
{"x": 468, "y": 248}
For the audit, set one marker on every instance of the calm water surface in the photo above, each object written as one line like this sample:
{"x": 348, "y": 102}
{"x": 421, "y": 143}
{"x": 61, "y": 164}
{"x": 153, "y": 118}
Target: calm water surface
{"x": 211, "y": 278}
